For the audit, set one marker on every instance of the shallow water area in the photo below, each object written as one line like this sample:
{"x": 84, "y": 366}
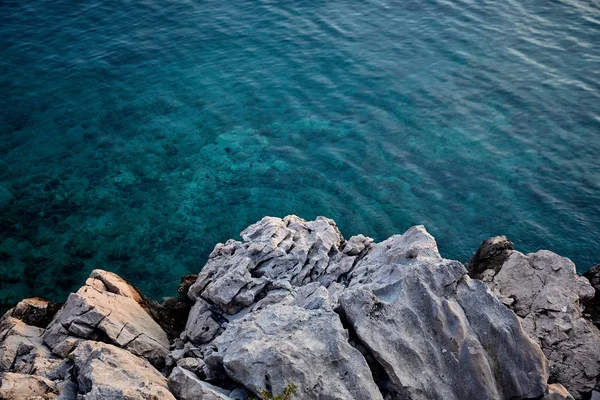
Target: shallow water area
{"x": 135, "y": 135}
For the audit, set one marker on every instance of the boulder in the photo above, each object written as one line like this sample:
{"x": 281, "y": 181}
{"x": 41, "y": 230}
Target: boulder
{"x": 545, "y": 291}
{"x": 283, "y": 344}
{"x": 436, "y": 333}
{"x": 187, "y": 386}
{"x": 108, "y": 309}
{"x": 105, "y": 371}
{"x": 490, "y": 255}
{"x": 22, "y": 350}
{"x": 35, "y": 311}
{"x": 16, "y": 386}
{"x": 276, "y": 253}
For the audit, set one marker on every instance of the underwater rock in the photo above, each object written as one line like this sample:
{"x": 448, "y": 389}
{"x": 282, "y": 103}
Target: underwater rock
{"x": 544, "y": 290}
{"x": 5, "y": 195}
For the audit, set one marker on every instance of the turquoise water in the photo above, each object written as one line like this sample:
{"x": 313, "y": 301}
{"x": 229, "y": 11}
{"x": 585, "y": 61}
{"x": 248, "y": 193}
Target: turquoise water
{"x": 136, "y": 134}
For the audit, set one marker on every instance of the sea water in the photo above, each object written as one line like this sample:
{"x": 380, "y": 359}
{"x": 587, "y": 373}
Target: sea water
{"x": 137, "y": 134}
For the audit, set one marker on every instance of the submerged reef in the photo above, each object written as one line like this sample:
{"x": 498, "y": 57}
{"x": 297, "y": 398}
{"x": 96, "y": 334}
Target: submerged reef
{"x": 294, "y": 305}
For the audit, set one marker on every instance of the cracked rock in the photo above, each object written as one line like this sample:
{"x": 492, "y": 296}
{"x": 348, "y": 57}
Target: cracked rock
{"x": 281, "y": 344}
{"x": 107, "y": 309}
{"x": 436, "y": 333}
{"x": 108, "y": 372}
{"x": 275, "y": 252}
{"x": 547, "y": 294}
{"x": 187, "y": 386}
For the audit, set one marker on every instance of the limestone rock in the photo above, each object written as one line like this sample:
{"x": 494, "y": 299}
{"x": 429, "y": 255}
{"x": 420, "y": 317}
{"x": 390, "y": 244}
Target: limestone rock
{"x": 436, "y": 333}
{"x": 276, "y": 252}
{"x": 107, "y": 308}
{"x": 22, "y": 350}
{"x": 35, "y": 311}
{"x": 105, "y": 371}
{"x": 592, "y": 306}
{"x": 186, "y": 386}
{"x": 281, "y": 344}
{"x": 24, "y": 387}
{"x": 547, "y": 295}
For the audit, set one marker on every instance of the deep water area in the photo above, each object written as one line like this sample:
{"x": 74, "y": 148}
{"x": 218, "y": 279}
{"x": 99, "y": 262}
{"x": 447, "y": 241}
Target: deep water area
{"x": 136, "y": 134}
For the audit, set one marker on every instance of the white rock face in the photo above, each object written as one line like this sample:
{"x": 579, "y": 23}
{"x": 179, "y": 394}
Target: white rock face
{"x": 107, "y": 308}
{"x": 545, "y": 291}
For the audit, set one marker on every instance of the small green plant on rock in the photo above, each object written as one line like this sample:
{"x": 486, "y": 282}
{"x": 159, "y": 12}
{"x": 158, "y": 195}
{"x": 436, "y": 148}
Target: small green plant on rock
{"x": 288, "y": 391}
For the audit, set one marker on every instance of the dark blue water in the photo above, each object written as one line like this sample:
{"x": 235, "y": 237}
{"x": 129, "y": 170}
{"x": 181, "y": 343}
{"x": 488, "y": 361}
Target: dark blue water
{"x": 136, "y": 134}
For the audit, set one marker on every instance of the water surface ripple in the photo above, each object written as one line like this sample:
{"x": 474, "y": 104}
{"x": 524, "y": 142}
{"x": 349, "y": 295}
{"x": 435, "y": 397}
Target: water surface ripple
{"x": 136, "y": 134}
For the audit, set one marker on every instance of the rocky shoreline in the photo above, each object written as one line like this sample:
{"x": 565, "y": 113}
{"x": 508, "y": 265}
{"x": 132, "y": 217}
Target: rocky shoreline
{"x": 296, "y": 303}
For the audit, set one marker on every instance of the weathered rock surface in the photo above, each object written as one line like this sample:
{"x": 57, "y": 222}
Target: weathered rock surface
{"x": 556, "y": 391}
{"x": 27, "y": 387}
{"x": 490, "y": 256}
{"x": 295, "y": 302}
{"x": 419, "y": 319}
{"x": 280, "y": 344}
{"x": 108, "y": 372}
{"x": 437, "y": 333}
{"x": 592, "y": 307}
{"x": 108, "y": 309}
{"x": 35, "y": 311}
{"x": 544, "y": 290}
{"x": 186, "y": 386}
{"x": 276, "y": 253}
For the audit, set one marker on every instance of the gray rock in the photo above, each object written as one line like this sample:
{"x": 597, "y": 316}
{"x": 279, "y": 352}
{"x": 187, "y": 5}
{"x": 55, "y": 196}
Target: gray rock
{"x": 274, "y": 252}
{"x": 107, "y": 308}
{"x": 204, "y": 323}
{"x": 278, "y": 345}
{"x": 547, "y": 294}
{"x": 435, "y": 332}
{"x": 105, "y": 371}
{"x": 187, "y": 386}
{"x": 193, "y": 364}
{"x": 592, "y": 306}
